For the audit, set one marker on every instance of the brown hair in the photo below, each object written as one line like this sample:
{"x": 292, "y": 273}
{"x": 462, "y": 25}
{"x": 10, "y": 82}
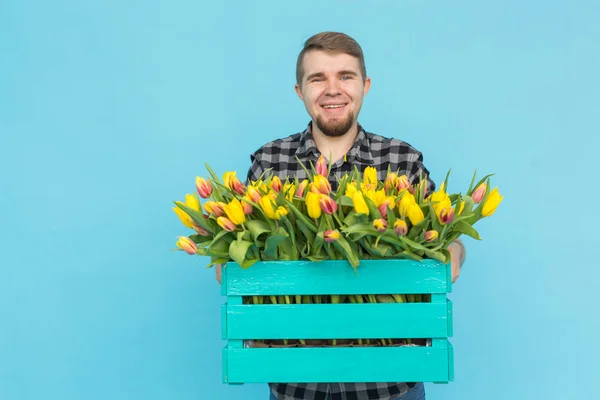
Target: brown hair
{"x": 331, "y": 42}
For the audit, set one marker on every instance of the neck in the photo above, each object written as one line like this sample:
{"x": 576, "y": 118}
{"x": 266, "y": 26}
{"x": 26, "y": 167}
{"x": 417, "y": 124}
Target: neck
{"x": 336, "y": 146}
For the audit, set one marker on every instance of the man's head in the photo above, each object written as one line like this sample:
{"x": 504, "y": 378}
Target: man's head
{"x": 331, "y": 80}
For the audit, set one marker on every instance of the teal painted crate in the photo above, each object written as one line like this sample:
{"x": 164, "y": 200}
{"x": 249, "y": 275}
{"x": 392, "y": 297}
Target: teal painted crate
{"x": 244, "y": 323}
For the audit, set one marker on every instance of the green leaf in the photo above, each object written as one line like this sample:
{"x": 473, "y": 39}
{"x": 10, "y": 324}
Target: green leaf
{"x": 257, "y": 228}
{"x": 413, "y": 244}
{"x": 301, "y": 217}
{"x": 272, "y": 243}
{"x": 199, "y": 239}
{"x": 346, "y": 201}
{"x": 237, "y": 252}
{"x": 466, "y": 229}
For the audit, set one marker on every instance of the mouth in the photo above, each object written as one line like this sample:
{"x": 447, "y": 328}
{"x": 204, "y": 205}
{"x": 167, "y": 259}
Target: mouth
{"x": 333, "y": 107}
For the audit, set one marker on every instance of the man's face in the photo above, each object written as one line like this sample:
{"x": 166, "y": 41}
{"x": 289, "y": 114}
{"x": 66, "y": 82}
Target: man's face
{"x": 332, "y": 90}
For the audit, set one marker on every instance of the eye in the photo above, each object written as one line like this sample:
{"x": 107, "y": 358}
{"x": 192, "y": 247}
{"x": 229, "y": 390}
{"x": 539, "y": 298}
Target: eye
{"x": 346, "y": 77}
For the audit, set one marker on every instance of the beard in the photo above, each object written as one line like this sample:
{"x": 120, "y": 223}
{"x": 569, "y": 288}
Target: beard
{"x": 335, "y": 127}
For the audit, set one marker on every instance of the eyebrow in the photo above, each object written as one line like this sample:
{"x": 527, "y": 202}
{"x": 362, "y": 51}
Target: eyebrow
{"x": 320, "y": 74}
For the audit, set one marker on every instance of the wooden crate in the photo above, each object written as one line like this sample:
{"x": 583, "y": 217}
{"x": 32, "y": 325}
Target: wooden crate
{"x": 244, "y": 323}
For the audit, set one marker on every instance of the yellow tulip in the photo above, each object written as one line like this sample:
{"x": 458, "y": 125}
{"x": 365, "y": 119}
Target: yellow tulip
{"x": 360, "y": 205}
{"x": 313, "y": 204}
{"x": 185, "y": 219}
{"x": 266, "y": 204}
{"x": 380, "y": 225}
{"x": 289, "y": 189}
{"x": 492, "y": 202}
{"x": 235, "y": 212}
{"x": 370, "y": 176}
{"x": 192, "y": 202}
{"x": 254, "y": 194}
{"x": 415, "y": 214}
{"x": 400, "y": 227}
{"x": 280, "y": 212}
{"x": 460, "y": 209}
{"x": 406, "y": 202}
{"x": 390, "y": 181}
{"x": 350, "y": 190}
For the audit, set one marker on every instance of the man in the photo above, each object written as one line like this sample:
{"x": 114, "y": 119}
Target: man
{"x": 331, "y": 80}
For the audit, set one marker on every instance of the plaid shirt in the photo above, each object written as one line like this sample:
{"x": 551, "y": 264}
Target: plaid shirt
{"x": 368, "y": 150}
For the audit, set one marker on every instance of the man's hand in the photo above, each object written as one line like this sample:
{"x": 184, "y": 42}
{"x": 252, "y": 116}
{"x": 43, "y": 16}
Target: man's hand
{"x": 218, "y": 272}
{"x": 457, "y": 257}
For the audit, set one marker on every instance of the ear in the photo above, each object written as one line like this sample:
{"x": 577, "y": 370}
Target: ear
{"x": 298, "y": 91}
{"x": 367, "y": 86}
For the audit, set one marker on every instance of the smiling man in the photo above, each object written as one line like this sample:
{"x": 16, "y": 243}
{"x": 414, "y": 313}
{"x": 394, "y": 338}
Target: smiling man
{"x": 331, "y": 81}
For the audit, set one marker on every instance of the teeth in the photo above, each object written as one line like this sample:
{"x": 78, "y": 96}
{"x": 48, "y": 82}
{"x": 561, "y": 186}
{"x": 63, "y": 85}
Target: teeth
{"x": 334, "y": 106}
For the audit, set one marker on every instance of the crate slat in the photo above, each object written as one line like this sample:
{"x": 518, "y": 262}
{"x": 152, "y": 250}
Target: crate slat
{"x": 337, "y": 277}
{"x": 393, "y": 364}
{"x": 338, "y": 321}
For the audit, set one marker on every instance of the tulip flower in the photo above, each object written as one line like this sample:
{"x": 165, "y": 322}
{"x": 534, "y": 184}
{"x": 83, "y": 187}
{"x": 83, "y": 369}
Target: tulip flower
{"x": 460, "y": 209}
{"x": 406, "y": 202}
{"x": 313, "y": 204}
{"x": 415, "y": 214}
{"x": 235, "y": 212}
{"x": 446, "y": 215}
{"x": 233, "y": 183}
{"x": 267, "y": 204}
{"x": 360, "y": 205}
{"x": 186, "y": 244}
{"x": 201, "y": 231}
{"x": 254, "y": 194}
{"x": 390, "y": 181}
{"x": 492, "y": 202}
{"x": 380, "y": 225}
{"x": 246, "y": 204}
{"x": 226, "y": 224}
{"x": 431, "y": 235}
{"x": 322, "y": 184}
{"x": 350, "y": 190}
{"x": 214, "y": 208}
{"x": 288, "y": 190}
{"x": 331, "y": 235}
{"x": 400, "y": 227}
{"x": 203, "y": 187}
{"x": 276, "y": 184}
{"x": 369, "y": 179}
{"x": 479, "y": 193}
{"x": 385, "y": 205}
{"x": 328, "y": 205}
{"x": 402, "y": 183}
{"x": 192, "y": 202}
{"x": 301, "y": 188}
{"x": 321, "y": 166}
{"x": 184, "y": 217}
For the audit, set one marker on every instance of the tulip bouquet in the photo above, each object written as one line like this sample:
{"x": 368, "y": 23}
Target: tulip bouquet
{"x": 364, "y": 219}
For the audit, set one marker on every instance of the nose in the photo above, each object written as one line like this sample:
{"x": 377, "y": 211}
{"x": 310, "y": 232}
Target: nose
{"x": 332, "y": 88}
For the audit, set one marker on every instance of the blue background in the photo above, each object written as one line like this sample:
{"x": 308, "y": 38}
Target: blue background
{"x": 108, "y": 111}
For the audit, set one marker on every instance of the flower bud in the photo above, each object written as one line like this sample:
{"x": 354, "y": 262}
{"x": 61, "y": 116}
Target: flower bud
{"x": 254, "y": 194}
{"x": 192, "y": 202}
{"x": 400, "y": 227}
{"x": 246, "y": 206}
{"x": 402, "y": 183}
{"x": 322, "y": 184}
{"x": 214, "y": 208}
{"x": 276, "y": 184}
{"x": 201, "y": 231}
{"x": 331, "y": 235}
{"x": 313, "y": 204}
{"x": 328, "y": 205}
{"x": 492, "y": 202}
{"x": 380, "y": 225}
{"x": 479, "y": 193}
{"x": 226, "y": 224}
{"x": 186, "y": 244}
{"x": 360, "y": 205}
{"x": 446, "y": 215}
{"x": 203, "y": 187}
{"x": 390, "y": 181}
{"x": 321, "y": 166}
{"x": 431, "y": 235}
{"x": 301, "y": 188}
{"x": 233, "y": 183}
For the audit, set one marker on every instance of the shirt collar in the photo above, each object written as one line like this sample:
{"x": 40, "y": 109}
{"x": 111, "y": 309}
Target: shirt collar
{"x": 360, "y": 150}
